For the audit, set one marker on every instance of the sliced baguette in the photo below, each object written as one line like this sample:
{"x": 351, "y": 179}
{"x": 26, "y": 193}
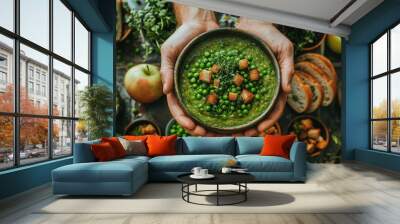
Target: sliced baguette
{"x": 316, "y": 89}
{"x": 301, "y": 96}
{"x": 322, "y": 62}
{"x": 328, "y": 85}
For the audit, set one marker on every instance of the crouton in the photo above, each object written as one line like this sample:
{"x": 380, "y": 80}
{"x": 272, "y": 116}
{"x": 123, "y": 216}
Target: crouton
{"x": 246, "y": 96}
{"x": 205, "y": 76}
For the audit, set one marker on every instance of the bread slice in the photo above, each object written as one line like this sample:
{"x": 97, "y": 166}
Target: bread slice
{"x": 322, "y": 62}
{"x": 316, "y": 89}
{"x": 328, "y": 85}
{"x": 301, "y": 96}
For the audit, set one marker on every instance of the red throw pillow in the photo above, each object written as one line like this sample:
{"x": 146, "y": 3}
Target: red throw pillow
{"x": 116, "y": 145}
{"x": 135, "y": 137}
{"x": 277, "y": 145}
{"x": 161, "y": 145}
{"x": 103, "y": 152}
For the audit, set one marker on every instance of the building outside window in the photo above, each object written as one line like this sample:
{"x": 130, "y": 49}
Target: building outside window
{"x": 56, "y": 127}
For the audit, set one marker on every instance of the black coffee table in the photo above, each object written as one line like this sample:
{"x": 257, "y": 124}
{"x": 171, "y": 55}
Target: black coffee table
{"x": 238, "y": 179}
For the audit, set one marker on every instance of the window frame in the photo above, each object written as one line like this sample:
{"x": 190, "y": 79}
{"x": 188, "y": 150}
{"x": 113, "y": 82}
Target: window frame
{"x": 16, "y": 114}
{"x": 388, "y": 74}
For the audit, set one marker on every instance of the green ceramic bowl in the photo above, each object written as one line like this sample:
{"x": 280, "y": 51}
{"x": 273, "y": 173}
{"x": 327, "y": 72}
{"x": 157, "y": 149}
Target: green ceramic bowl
{"x": 216, "y": 41}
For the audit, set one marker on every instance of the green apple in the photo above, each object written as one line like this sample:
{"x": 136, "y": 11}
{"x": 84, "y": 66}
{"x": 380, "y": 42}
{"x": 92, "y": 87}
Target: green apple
{"x": 143, "y": 83}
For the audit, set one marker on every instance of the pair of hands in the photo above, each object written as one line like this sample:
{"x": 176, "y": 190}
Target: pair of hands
{"x": 195, "y": 21}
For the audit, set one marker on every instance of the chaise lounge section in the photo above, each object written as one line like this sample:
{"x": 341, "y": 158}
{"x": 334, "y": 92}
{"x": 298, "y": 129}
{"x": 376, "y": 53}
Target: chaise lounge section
{"x": 125, "y": 176}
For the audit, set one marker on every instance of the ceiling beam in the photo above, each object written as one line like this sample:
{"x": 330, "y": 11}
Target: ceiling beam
{"x": 346, "y": 12}
{"x": 271, "y": 15}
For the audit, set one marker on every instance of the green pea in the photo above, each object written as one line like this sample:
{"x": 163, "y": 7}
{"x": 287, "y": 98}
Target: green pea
{"x": 252, "y": 89}
{"x": 257, "y": 96}
{"x": 207, "y": 53}
{"x": 192, "y": 80}
{"x": 198, "y": 96}
{"x": 245, "y": 111}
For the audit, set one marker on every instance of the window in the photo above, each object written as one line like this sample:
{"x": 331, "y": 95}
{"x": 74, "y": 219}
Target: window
{"x": 34, "y": 21}
{"x": 44, "y": 91}
{"x": 385, "y": 94}
{"x": 3, "y": 78}
{"x": 7, "y": 14}
{"x": 7, "y": 89}
{"x": 38, "y": 89}
{"x": 34, "y": 128}
{"x": 30, "y": 72}
{"x": 81, "y": 45}
{"x": 30, "y": 87}
{"x": 3, "y": 72}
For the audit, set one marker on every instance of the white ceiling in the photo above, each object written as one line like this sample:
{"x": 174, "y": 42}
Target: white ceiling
{"x": 320, "y": 9}
{"x": 325, "y": 16}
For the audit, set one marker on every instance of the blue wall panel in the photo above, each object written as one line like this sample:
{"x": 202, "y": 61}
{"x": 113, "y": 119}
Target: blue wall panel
{"x": 24, "y": 178}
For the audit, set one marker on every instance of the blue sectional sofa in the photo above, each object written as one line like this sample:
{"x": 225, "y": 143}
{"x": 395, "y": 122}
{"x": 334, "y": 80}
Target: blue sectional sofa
{"x": 125, "y": 176}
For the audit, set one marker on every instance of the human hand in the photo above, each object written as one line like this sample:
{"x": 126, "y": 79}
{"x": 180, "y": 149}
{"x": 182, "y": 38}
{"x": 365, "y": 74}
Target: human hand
{"x": 192, "y": 22}
{"x": 283, "y": 50}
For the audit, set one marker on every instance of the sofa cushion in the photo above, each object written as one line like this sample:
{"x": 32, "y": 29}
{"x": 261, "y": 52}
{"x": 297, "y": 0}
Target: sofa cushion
{"x": 161, "y": 145}
{"x": 112, "y": 171}
{"x": 185, "y": 163}
{"x": 257, "y": 163}
{"x": 249, "y": 145}
{"x": 116, "y": 145}
{"x": 207, "y": 145}
{"x": 103, "y": 152}
{"x": 277, "y": 145}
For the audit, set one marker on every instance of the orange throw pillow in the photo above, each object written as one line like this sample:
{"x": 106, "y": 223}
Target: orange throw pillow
{"x": 135, "y": 137}
{"x": 116, "y": 145}
{"x": 103, "y": 152}
{"x": 161, "y": 145}
{"x": 277, "y": 145}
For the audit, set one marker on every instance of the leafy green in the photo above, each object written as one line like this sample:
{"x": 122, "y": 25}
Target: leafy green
{"x": 301, "y": 38}
{"x": 153, "y": 23}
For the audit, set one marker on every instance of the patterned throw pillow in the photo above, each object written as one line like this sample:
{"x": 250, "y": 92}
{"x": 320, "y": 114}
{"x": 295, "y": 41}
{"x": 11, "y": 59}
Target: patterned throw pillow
{"x": 136, "y": 147}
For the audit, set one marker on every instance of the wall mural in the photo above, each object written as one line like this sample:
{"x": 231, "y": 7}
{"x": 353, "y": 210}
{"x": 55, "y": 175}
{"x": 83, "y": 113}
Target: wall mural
{"x": 225, "y": 75}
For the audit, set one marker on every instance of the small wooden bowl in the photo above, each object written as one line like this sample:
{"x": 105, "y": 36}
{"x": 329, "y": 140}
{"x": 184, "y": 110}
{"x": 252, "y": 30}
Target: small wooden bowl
{"x": 141, "y": 121}
{"x": 276, "y": 125}
{"x": 316, "y": 123}
{"x": 317, "y": 45}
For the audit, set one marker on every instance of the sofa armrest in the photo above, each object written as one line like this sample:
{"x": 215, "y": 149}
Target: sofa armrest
{"x": 298, "y": 156}
{"x": 83, "y": 152}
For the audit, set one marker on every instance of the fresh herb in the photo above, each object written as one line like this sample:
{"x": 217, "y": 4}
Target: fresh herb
{"x": 153, "y": 24}
{"x": 300, "y": 38}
